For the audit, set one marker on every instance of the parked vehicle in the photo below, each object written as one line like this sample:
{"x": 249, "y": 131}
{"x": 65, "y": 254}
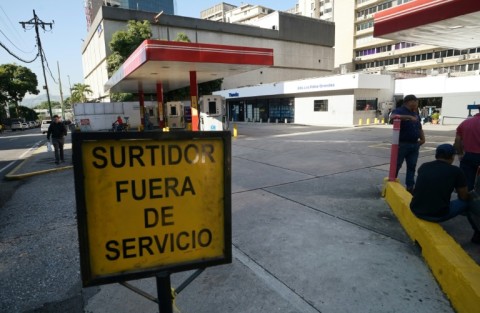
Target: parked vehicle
{"x": 16, "y": 126}
{"x": 44, "y": 126}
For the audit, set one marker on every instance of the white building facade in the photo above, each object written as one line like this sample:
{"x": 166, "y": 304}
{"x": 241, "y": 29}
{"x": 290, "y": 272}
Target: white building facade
{"x": 297, "y": 54}
{"x": 348, "y": 100}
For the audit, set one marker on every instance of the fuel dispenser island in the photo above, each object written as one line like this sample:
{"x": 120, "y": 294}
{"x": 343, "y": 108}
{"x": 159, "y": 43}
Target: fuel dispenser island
{"x": 175, "y": 118}
{"x": 213, "y": 113}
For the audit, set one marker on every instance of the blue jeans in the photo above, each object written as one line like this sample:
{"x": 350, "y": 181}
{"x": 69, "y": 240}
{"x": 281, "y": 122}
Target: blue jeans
{"x": 457, "y": 207}
{"x": 408, "y": 152}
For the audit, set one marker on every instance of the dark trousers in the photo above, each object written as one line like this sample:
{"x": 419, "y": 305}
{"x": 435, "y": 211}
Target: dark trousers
{"x": 469, "y": 165}
{"x": 58, "y": 147}
{"x": 408, "y": 152}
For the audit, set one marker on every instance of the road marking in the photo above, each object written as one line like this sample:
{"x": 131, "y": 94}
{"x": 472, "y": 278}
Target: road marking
{"x": 35, "y": 145}
{"x": 273, "y": 282}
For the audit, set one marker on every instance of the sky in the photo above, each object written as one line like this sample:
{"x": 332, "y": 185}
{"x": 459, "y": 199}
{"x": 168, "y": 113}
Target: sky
{"x": 63, "y": 43}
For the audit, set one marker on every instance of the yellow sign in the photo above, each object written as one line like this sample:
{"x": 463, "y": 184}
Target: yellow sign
{"x": 153, "y": 204}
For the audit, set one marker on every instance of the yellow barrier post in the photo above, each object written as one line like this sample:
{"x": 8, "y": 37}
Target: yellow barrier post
{"x": 359, "y": 122}
{"x": 234, "y": 130}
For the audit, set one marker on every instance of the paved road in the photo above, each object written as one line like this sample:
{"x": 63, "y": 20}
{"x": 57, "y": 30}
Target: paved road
{"x": 310, "y": 234}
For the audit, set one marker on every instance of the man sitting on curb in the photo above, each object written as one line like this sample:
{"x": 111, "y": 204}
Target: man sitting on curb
{"x": 435, "y": 183}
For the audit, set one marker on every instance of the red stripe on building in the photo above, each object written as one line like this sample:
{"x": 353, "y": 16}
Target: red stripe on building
{"x": 420, "y": 12}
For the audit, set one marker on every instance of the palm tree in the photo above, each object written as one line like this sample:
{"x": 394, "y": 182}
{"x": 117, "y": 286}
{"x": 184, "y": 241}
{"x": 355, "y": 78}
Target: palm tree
{"x": 80, "y": 92}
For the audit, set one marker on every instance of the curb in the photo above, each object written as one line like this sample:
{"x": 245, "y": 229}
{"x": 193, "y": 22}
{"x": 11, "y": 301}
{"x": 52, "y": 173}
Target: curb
{"x": 457, "y": 274}
{"x": 12, "y": 176}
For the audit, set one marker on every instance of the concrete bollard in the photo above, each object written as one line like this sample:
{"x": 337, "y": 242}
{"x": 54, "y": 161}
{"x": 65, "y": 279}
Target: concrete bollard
{"x": 375, "y": 121}
{"x": 285, "y": 121}
{"x": 360, "y": 122}
{"x": 394, "y": 150}
{"x": 234, "y": 129}
{"x": 368, "y": 121}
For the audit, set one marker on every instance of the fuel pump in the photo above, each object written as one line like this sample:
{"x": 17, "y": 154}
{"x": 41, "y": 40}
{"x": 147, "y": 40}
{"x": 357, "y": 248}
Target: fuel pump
{"x": 213, "y": 113}
{"x": 175, "y": 118}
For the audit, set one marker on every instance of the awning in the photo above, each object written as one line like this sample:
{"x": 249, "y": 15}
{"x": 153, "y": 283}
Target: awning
{"x": 170, "y": 63}
{"x": 445, "y": 23}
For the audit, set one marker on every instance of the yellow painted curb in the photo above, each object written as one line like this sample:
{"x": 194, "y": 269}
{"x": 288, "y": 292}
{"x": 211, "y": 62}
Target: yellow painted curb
{"x": 455, "y": 271}
{"x": 12, "y": 176}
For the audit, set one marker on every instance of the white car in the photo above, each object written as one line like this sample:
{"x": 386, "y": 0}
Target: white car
{"x": 44, "y": 126}
{"x": 16, "y": 126}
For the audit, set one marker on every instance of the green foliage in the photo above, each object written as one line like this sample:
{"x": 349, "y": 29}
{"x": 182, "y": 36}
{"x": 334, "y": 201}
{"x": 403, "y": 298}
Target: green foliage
{"x": 182, "y": 37}
{"x": 204, "y": 89}
{"x": 23, "y": 111}
{"x": 123, "y": 43}
{"x": 44, "y": 105}
{"x": 79, "y": 93}
{"x": 114, "y": 61}
{"x": 15, "y": 82}
{"x": 121, "y": 97}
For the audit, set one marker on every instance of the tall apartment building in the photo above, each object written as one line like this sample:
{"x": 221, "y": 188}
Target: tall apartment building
{"x": 247, "y": 13}
{"x": 156, "y": 6}
{"x": 357, "y": 50}
{"x": 217, "y": 12}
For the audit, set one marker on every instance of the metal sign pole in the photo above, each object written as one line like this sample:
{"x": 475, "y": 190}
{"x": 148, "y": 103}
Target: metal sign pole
{"x": 164, "y": 292}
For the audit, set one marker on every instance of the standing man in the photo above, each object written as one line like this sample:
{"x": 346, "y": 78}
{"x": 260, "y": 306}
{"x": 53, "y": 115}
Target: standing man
{"x": 435, "y": 183}
{"x": 467, "y": 143}
{"x": 57, "y": 131}
{"x": 411, "y": 138}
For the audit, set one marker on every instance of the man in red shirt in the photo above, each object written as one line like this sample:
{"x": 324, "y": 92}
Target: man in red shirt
{"x": 467, "y": 144}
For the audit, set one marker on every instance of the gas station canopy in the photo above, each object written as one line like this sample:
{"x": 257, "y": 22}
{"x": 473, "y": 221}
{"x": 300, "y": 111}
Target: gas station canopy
{"x": 171, "y": 62}
{"x": 445, "y": 23}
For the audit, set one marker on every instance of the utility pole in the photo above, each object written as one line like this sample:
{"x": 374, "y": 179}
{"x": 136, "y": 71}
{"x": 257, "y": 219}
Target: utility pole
{"x": 36, "y": 21}
{"x": 61, "y": 92}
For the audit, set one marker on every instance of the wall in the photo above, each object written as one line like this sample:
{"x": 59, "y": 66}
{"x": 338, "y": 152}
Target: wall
{"x": 302, "y": 46}
{"x": 457, "y": 92}
{"x": 340, "y": 111}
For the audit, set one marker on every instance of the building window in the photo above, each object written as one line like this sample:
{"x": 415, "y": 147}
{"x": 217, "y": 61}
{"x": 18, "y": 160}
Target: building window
{"x": 366, "y": 105}
{"x": 320, "y": 105}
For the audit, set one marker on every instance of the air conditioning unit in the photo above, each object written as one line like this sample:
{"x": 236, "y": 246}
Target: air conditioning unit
{"x": 461, "y": 57}
{"x": 401, "y": 65}
{"x": 358, "y": 59}
{"x": 440, "y": 60}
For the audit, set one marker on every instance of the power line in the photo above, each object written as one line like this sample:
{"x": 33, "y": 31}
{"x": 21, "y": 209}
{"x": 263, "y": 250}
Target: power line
{"x": 11, "y": 26}
{"x": 38, "y": 22}
{"x": 14, "y": 44}
{"x": 15, "y": 56}
{"x": 48, "y": 67}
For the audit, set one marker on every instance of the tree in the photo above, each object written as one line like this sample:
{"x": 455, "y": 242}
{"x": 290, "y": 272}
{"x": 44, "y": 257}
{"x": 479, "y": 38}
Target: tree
{"x": 44, "y": 105}
{"x": 123, "y": 43}
{"x": 182, "y": 37}
{"x": 79, "y": 93}
{"x": 15, "y": 82}
{"x": 23, "y": 111}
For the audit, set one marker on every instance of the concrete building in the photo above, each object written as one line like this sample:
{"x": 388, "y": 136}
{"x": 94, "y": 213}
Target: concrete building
{"x": 155, "y": 6}
{"x": 247, "y": 13}
{"x": 356, "y": 49}
{"x": 338, "y": 100}
{"x": 217, "y": 12}
{"x": 297, "y": 54}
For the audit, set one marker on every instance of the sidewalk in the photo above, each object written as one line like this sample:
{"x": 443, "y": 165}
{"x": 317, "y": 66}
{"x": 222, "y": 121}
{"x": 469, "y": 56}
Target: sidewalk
{"x": 41, "y": 162}
{"x": 295, "y": 230}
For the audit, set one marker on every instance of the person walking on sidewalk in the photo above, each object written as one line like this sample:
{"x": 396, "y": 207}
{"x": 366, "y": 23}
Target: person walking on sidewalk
{"x": 435, "y": 183}
{"x": 57, "y": 131}
{"x": 411, "y": 138}
{"x": 467, "y": 143}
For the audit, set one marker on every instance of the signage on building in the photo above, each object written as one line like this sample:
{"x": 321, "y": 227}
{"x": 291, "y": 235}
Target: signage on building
{"x": 233, "y": 94}
{"x": 151, "y": 202}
